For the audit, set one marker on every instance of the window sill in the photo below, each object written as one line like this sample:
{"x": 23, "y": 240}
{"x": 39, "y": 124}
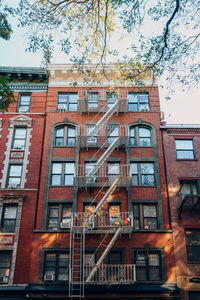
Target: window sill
{"x": 187, "y": 159}
{"x": 55, "y": 146}
{"x": 136, "y": 146}
{"x": 144, "y": 186}
{"x": 63, "y": 186}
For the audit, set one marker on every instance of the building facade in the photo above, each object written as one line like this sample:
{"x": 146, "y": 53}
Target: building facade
{"x": 21, "y": 139}
{"x": 99, "y": 225}
{"x": 181, "y": 144}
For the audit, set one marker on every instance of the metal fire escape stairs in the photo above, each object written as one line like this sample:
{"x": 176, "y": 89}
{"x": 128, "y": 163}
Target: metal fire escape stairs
{"x": 77, "y": 234}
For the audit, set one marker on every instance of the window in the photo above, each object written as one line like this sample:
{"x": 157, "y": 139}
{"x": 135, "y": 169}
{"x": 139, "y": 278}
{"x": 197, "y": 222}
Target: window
{"x": 65, "y": 136}
{"x": 112, "y": 133}
{"x": 14, "y": 176}
{"x": 59, "y": 216}
{"x": 92, "y": 135}
{"x": 111, "y": 99}
{"x": 140, "y": 136}
{"x": 142, "y": 174}
{"x": 93, "y": 177}
{"x": 193, "y": 244}
{"x": 24, "y": 103}
{"x": 19, "y": 138}
{"x": 62, "y": 173}
{"x": 138, "y": 102}
{"x": 194, "y": 295}
{"x": 93, "y": 99}
{"x": 68, "y": 102}
{"x": 56, "y": 266}
{"x": 184, "y": 149}
{"x": 189, "y": 187}
{"x": 113, "y": 171}
{"x": 114, "y": 214}
{"x": 5, "y": 264}
{"x": 90, "y": 260}
{"x": 145, "y": 216}
{"x": 148, "y": 265}
{"x": 9, "y": 216}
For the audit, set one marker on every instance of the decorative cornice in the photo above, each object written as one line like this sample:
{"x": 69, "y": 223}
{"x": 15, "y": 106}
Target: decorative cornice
{"x": 185, "y": 130}
{"x": 24, "y": 87}
{"x": 20, "y": 120}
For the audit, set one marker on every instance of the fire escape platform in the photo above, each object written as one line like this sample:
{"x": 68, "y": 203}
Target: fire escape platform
{"x": 189, "y": 202}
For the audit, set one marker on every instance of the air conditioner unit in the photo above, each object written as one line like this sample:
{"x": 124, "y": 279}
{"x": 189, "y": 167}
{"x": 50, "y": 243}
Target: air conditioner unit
{"x": 5, "y": 279}
{"x": 49, "y": 276}
{"x": 90, "y": 225}
{"x": 19, "y": 147}
{"x": 65, "y": 224}
{"x": 13, "y": 186}
{"x": 91, "y": 140}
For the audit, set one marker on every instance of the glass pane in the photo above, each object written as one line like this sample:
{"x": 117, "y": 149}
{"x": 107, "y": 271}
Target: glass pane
{"x": 134, "y": 168}
{"x": 134, "y": 180}
{"x": 150, "y": 223}
{"x": 143, "y": 98}
{"x": 69, "y": 168}
{"x": 92, "y": 95}
{"x": 185, "y": 154}
{"x": 145, "y": 142}
{"x": 89, "y": 259}
{"x": 132, "y": 97}
{"x": 71, "y": 132}
{"x": 113, "y": 130}
{"x": 19, "y": 144}
{"x": 153, "y": 259}
{"x": 132, "y": 132}
{"x": 73, "y": 97}
{"x": 62, "y": 98}
{"x": 184, "y": 144}
{"x": 144, "y": 132}
{"x": 15, "y": 170}
{"x": 67, "y": 211}
{"x": 60, "y": 132}
{"x": 141, "y": 259}
{"x": 114, "y": 211}
{"x": 114, "y": 169}
{"x": 56, "y": 180}
{"x": 149, "y": 211}
{"x": 132, "y": 107}
{"x": 136, "y": 210}
{"x": 10, "y": 212}
{"x": 59, "y": 141}
{"x": 89, "y": 167}
{"x": 141, "y": 274}
{"x": 147, "y": 168}
{"x": 56, "y": 168}
{"x": 69, "y": 180}
{"x": 73, "y": 106}
{"x": 20, "y": 133}
{"x": 89, "y": 209}
{"x": 53, "y": 213}
{"x": 147, "y": 179}
{"x": 154, "y": 273}
{"x": 14, "y": 181}
{"x": 25, "y": 100}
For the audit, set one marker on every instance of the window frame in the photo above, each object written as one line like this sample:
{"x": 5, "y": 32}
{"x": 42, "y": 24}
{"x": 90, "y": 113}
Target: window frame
{"x": 21, "y": 95}
{"x": 137, "y": 103}
{"x": 149, "y": 266}
{"x": 137, "y": 138}
{"x": 92, "y": 102}
{"x": 23, "y": 145}
{"x": 112, "y": 99}
{"x": 6, "y": 268}
{"x": 179, "y": 150}
{"x": 65, "y": 138}
{"x": 189, "y": 245}
{"x": 92, "y": 179}
{"x": 4, "y": 219}
{"x": 140, "y": 217}
{"x": 17, "y": 185}
{"x": 62, "y": 174}
{"x": 66, "y": 105}
{"x": 60, "y": 216}
{"x": 110, "y": 137}
{"x": 56, "y": 265}
{"x": 139, "y": 175}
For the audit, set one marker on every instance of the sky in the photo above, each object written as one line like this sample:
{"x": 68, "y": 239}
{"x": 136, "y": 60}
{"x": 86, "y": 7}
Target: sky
{"x": 183, "y": 108}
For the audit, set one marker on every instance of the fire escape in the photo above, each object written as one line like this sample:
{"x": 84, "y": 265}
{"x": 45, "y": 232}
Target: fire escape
{"x": 98, "y": 222}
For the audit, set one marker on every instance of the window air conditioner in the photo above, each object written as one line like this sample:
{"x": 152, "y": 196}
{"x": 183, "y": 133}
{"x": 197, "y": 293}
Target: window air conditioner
{"x": 5, "y": 279}
{"x": 13, "y": 186}
{"x": 65, "y": 224}
{"x": 49, "y": 276}
{"x": 90, "y": 225}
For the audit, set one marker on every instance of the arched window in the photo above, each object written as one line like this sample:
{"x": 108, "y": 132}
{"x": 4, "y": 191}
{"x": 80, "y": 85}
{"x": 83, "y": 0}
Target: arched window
{"x": 140, "y": 136}
{"x": 65, "y": 136}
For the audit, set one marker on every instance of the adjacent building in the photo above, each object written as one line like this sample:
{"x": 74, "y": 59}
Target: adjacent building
{"x": 182, "y": 157}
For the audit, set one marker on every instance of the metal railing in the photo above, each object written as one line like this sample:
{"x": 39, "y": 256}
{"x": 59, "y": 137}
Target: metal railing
{"x": 114, "y": 274}
{"x": 103, "y": 220}
{"x": 86, "y": 106}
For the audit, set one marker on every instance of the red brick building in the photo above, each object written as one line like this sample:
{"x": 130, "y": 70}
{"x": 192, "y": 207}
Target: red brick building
{"x": 181, "y": 144}
{"x": 21, "y": 140}
{"x": 99, "y": 227}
